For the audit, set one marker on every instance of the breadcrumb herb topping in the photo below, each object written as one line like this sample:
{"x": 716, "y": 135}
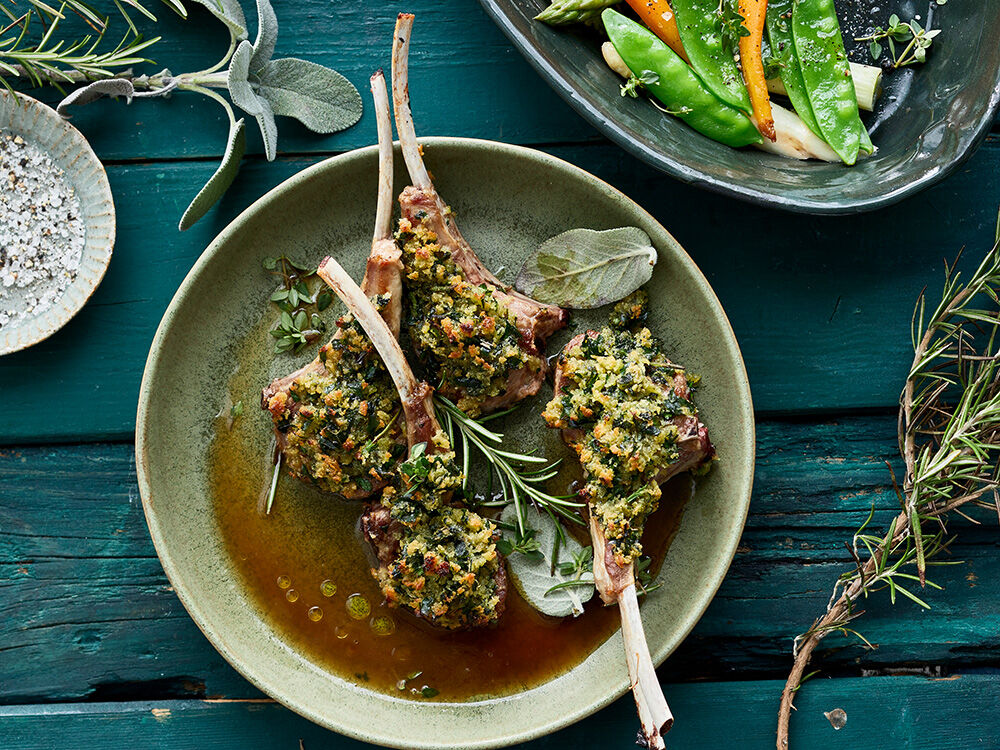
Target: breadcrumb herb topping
{"x": 618, "y": 394}
{"x": 447, "y": 565}
{"x": 464, "y": 337}
{"x": 342, "y": 424}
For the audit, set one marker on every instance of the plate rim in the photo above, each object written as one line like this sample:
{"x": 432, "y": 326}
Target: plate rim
{"x": 613, "y": 131}
{"x": 660, "y": 653}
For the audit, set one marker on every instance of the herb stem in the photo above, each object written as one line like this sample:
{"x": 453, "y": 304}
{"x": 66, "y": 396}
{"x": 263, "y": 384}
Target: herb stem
{"x": 274, "y": 484}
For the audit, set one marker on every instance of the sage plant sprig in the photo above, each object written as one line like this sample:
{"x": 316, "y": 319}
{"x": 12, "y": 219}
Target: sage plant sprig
{"x": 949, "y": 438}
{"x": 262, "y": 87}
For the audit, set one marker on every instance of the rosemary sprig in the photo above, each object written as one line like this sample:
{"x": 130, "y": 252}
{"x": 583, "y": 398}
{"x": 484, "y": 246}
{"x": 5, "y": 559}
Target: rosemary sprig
{"x": 521, "y": 476}
{"x": 949, "y": 437}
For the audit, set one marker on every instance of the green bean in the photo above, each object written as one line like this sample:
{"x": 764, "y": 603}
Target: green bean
{"x": 562, "y": 12}
{"x": 700, "y": 24}
{"x": 673, "y": 82}
{"x": 779, "y": 33}
{"x": 827, "y": 75}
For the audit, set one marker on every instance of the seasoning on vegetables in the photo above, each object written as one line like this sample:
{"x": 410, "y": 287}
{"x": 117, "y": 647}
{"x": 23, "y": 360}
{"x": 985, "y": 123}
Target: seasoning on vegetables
{"x": 827, "y": 75}
{"x": 41, "y": 230}
{"x": 710, "y": 31}
{"x": 676, "y": 84}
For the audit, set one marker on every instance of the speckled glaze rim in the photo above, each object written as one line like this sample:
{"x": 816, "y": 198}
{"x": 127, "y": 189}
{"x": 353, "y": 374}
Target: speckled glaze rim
{"x": 40, "y": 125}
{"x": 746, "y": 192}
{"x": 362, "y": 728}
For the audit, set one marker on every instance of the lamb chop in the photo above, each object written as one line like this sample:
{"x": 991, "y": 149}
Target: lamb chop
{"x": 626, "y": 410}
{"x": 336, "y": 419}
{"x": 435, "y": 558}
{"x": 478, "y": 338}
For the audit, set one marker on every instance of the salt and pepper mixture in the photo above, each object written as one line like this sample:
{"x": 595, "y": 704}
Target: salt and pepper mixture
{"x": 41, "y": 230}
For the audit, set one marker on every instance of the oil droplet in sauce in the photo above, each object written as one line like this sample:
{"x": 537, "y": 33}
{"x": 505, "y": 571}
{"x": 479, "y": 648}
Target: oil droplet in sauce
{"x": 328, "y": 588}
{"x": 341, "y": 632}
{"x": 292, "y": 595}
{"x": 284, "y": 582}
{"x": 382, "y": 625}
{"x": 358, "y": 607}
{"x": 315, "y": 614}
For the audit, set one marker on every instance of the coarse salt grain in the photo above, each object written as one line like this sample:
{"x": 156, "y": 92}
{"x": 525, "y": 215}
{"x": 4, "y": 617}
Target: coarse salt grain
{"x": 42, "y": 234}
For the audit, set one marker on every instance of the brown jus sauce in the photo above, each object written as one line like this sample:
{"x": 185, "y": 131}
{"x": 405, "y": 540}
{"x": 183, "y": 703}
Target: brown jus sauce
{"x": 301, "y": 563}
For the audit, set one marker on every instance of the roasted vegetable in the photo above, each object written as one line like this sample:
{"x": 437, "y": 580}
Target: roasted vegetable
{"x": 753, "y": 12}
{"x": 674, "y": 83}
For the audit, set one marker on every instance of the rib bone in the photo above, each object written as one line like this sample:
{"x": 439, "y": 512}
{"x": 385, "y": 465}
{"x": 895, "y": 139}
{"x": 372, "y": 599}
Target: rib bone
{"x": 421, "y": 204}
{"x": 382, "y": 277}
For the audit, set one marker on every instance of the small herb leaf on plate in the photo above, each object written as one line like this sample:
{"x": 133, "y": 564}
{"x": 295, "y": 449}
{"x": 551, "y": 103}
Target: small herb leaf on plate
{"x": 219, "y": 182}
{"x": 584, "y": 268}
{"x": 535, "y": 575}
{"x": 321, "y": 99}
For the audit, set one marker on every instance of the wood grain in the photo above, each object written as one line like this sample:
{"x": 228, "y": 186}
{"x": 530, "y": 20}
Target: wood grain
{"x": 89, "y": 614}
{"x": 883, "y": 713}
{"x": 821, "y": 306}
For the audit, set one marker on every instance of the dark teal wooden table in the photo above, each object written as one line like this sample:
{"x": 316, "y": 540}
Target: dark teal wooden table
{"x": 96, "y": 650}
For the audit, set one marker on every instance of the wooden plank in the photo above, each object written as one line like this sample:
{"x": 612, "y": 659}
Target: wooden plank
{"x": 89, "y": 614}
{"x": 883, "y": 713}
{"x": 458, "y": 56}
{"x": 821, "y": 306}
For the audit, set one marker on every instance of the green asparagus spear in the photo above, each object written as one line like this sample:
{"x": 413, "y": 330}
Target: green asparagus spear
{"x": 563, "y": 12}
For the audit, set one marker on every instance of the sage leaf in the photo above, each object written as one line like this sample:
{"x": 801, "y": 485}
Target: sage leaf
{"x": 244, "y": 97}
{"x": 321, "y": 99}
{"x": 584, "y": 268}
{"x": 98, "y": 89}
{"x": 221, "y": 180}
{"x": 532, "y": 575}
{"x": 230, "y": 13}
{"x": 267, "y": 35}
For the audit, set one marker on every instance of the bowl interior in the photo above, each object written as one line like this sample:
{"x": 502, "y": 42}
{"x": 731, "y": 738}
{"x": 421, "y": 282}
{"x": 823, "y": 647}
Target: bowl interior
{"x": 40, "y": 126}
{"x": 526, "y": 198}
{"x": 929, "y": 118}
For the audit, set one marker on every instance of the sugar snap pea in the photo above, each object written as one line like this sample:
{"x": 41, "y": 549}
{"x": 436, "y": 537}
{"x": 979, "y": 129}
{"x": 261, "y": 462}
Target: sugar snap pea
{"x": 701, "y": 27}
{"x": 673, "y": 82}
{"x": 827, "y": 75}
{"x": 779, "y": 34}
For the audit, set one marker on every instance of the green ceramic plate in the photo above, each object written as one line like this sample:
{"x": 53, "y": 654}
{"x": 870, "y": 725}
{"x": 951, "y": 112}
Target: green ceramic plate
{"x": 508, "y": 199}
{"x": 928, "y": 121}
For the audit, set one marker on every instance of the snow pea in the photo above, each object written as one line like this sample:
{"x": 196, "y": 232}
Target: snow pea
{"x": 827, "y": 75}
{"x": 779, "y": 34}
{"x": 700, "y": 26}
{"x": 673, "y": 82}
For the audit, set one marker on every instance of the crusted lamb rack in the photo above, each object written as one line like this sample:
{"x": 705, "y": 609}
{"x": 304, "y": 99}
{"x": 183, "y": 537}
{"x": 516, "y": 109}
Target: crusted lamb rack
{"x": 435, "y": 558}
{"x": 626, "y": 410}
{"x": 480, "y": 340}
{"x": 336, "y": 419}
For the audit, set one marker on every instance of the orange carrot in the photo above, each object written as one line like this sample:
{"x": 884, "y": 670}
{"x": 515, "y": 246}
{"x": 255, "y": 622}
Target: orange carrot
{"x": 659, "y": 17}
{"x": 753, "y": 12}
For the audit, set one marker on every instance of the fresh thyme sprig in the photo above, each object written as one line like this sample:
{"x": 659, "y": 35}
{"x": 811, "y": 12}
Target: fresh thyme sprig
{"x": 521, "y": 476}
{"x": 949, "y": 436}
{"x": 918, "y": 40}
{"x": 297, "y": 326}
